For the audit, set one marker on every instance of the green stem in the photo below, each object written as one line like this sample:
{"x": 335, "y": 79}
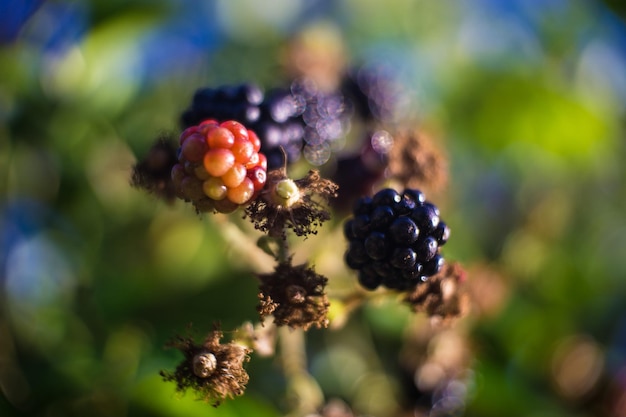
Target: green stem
{"x": 304, "y": 393}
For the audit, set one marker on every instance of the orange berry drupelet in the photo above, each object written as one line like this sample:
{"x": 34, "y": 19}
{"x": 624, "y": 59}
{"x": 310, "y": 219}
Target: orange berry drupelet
{"x": 219, "y": 166}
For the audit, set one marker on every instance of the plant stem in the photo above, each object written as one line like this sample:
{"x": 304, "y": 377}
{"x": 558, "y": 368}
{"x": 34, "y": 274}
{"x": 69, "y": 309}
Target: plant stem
{"x": 303, "y": 392}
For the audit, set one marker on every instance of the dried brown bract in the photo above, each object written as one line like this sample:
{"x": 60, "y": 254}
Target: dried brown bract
{"x": 215, "y": 371}
{"x": 441, "y": 295}
{"x": 294, "y": 295}
{"x": 296, "y": 204}
{"x": 153, "y": 172}
{"x": 416, "y": 162}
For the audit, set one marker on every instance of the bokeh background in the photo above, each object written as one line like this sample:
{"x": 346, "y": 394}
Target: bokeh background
{"x": 527, "y": 98}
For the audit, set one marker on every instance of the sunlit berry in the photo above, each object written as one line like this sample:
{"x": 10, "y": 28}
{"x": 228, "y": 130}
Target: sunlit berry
{"x": 238, "y": 130}
{"x": 220, "y": 137}
{"x": 262, "y": 161}
{"x": 218, "y": 161}
{"x": 253, "y": 161}
{"x": 234, "y": 176}
{"x": 207, "y": 124}
{"x": 214, "y": 188}
{"x": 242, "y": 193}
{"x": 242, "y": 150}
{"x": 255, "y": 141}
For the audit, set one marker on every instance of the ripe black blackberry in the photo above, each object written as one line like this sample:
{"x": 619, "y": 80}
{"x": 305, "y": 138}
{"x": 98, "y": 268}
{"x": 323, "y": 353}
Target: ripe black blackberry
{"x": 395, "y": 239}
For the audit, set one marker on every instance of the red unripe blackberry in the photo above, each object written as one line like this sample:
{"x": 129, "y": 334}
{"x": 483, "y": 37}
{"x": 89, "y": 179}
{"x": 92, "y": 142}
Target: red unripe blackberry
{"x": 219, "y": 167}
{"x": 395, "y": 239}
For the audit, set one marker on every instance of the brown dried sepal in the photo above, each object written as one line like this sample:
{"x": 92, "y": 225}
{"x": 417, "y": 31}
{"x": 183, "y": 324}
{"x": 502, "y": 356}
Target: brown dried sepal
{"x": 302, "y": 216}
{"x": 294, "y": 295}
{"x": 416, "y": 161}
{"x": 441, "y": 295}
{"x": 214, "y": 371}
{"x": 153, "y": 172}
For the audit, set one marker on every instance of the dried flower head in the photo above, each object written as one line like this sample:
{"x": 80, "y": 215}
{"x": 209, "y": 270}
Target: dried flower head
{"x": 215, "y": 371}
{"x": 294, "y": 295}
{"x": 296, "y": 204}
{"x": 441, "y": 295}
{"x": 415, "y": 161}
{"x": 153, "y": 172}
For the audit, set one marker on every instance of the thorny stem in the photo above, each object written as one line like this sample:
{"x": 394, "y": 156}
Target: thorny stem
{"x": 304, "y": 393}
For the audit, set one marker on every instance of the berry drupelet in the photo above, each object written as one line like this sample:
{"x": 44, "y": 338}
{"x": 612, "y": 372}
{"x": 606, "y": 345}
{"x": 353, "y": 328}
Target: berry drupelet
{"x": 394, "y": 239}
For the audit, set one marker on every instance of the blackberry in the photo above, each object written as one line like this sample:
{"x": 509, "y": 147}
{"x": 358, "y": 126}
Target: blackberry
{"x": 395, "y": 239}
{"x": 299, "y": 120}
{"x": 274, "y": 116}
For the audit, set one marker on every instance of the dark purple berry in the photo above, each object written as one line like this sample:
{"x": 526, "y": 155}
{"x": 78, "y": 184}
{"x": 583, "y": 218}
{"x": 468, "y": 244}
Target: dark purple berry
{"x": 433, "y": 266}
{"x": 413, "y": 273}
{"x": 383, "y": 269}
{"x": 361, "y": 226}
{"x": 403, "y": 231}
{"x": 442, "y": 233}
{"x": 376, "y": 245}
{"x": 347, "y": 230}
{"x": 381, "y": 217}
{"x": 415, "y": 196}
{"x": 362, "y": 206}
{"x": 403, "y": 258}
{"x": 356, "y": 252}
{"x": 426, "y": 217}
{"x": 387, "y": 197}
{"x": 396, "y": 282}
{"x": 369, "y": 279}
{"x": 426, "y": 248}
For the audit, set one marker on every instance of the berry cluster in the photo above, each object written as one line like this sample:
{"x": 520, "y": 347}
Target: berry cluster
{"x": 273, "y": 117}
{"x": 219, "y": 166}
{"x": 298, "y": 120}
{"x": 394, "y": 239}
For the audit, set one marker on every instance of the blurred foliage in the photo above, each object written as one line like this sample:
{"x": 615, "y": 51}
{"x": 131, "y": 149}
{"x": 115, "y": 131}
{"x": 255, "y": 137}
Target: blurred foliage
{"x": 528, "y": 99}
